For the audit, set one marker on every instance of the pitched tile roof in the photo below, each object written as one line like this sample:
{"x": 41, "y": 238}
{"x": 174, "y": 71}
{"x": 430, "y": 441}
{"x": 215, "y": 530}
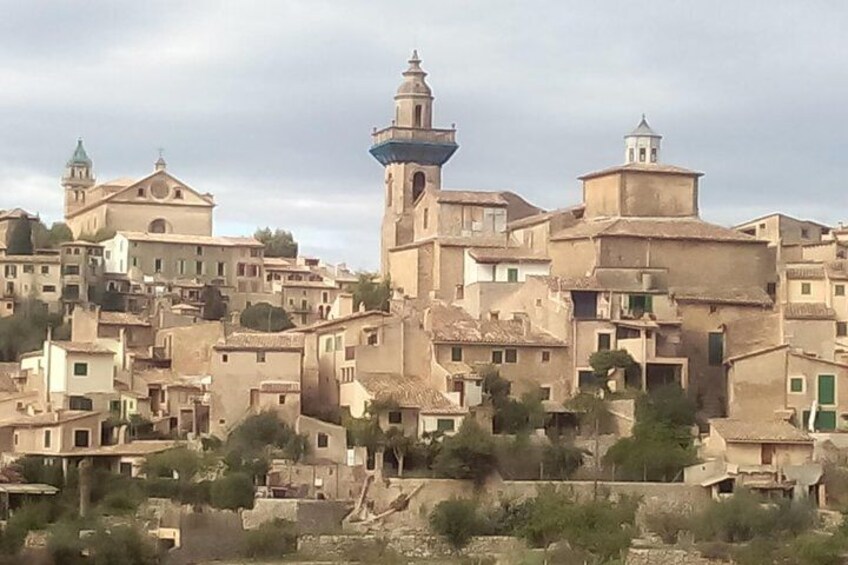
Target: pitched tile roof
{"x": 451, "y": 324}
{"x": 654, "y": 228}
{"x": 743, "y": 431}
{"x": 408, "y": 392}
{"x": 49, "y": 418}
{"x": 808, "y": 311}
{"x": 507, "y": 254}
{"x": 752, "y": 295}
{"x": 837, "y": 270}
{"x": 344, "y": 319}
{"x": 535, "y": 219}
{"x": 185, "y": 239}
{"x": 122, "y": 319}
{"x": 797, "y": 272}
{"x": 642, "y": 168}
{"x": 470, "y": 197}
{"x": 254, "y": 341}
{"x": 83, "y": 347}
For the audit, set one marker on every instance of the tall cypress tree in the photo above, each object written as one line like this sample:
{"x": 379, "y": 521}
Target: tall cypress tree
{"x": 20, "y": 239}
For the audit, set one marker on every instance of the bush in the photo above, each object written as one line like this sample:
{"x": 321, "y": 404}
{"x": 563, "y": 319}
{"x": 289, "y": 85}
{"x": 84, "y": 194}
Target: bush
{"x": 743, "y": 517}
{"x": 64, "y": 545}
{"x": 457, "y": 521}
{"x": 265, "y": 318}
{"x": 122, "y": 545}
{"x": 271, "y": 539}
{"x": 232, "y": 491}
{"x": 667, "y": 525}
{"x": 470, "y": 454}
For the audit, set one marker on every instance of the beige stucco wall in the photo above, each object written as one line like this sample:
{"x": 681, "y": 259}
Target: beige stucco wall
{"x": 817, "y": 337}
{"x": 757, "y": 386}
{"x": 819, "y": 290}
{"x": 190, "y": 347}
{"x": 233, "y": 379}
{"x": 404, "y": 273}
{"x": 336, "y": 449}
{"x": 647, "y": 194}
{"x": 602, "y": 196}
{"x": 573, "y": 258}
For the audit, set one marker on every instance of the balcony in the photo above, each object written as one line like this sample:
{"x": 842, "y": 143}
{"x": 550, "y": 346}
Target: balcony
{"x": 425, "y": 146}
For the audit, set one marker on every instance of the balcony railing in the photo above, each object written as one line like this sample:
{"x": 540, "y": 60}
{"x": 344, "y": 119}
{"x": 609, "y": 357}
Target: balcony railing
{"x": 393, "y": 133}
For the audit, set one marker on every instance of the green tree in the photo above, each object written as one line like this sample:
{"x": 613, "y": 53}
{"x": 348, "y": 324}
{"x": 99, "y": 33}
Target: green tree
{"x": 469, "y": 454}
{"x": 560, "y": 460}
{"x": 371, "y": 292}
{"x": 605, "y": 360}
{"x": 20, "y": 238}
{"x": 122, "y": 545}
{"x": 278, "y": 243}
{"x": 44, "y": 238}
{"x": 457, "y": 521}
{"x": 400, "y": 444}
{"x": 26, "y": 329}
{"x": 265, "y": 318}
{"x": 260, "y": 437}
{"x": 271, "y": 540}
{"x": 232, "y": 491}
{"x": 176, "y": 474}
{"x": 214, "y": 303}
{"x": 594, "y": 417}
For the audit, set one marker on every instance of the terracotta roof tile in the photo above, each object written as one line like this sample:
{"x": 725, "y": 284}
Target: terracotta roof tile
{"x": 408, "y": 392}
{"x": 837, "y": 270}
{"x": 507, "y": 254}
{"x": 655, "y": 228}
{"x": 83, "y": 347}
{"x": 451, "y": 324}
{"x": 759, "y": 431}
{"x": 470, "y": 197}
{"x": 808, "y": 311}
{"x": 186, "y": 239}
{"x": 49, "y": 418}
{"x": 344, "y": 319}
{"x": 122, "y": 319}
{"x": 753, "y": 296}
{"x": 279, "y": 341}
{"x": 642, "y": 168}
{"x": 805, "y": 272}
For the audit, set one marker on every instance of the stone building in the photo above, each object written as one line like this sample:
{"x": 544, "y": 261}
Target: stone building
{"x": 156, "y": 203}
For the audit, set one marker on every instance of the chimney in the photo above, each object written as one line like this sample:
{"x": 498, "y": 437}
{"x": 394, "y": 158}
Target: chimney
{"x": 524, "y": 319}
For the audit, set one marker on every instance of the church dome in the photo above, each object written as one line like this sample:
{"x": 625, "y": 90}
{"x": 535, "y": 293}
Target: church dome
{"x": 413, "y": 79}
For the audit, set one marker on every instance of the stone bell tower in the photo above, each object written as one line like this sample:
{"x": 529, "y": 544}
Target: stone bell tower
{"x": 77, "y": 179}
{"x": 412, "y": 152}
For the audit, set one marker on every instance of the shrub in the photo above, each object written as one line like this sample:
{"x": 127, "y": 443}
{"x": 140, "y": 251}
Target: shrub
{"x": 743, "y": 517}
{"x": 64, "y": 545}
{"x": 232, "y": 491}
{"x": 470, "y": 454}
{"x": 271, "y": 539}
{"x": 264, "y": 317}
{"x": 667, "y": 525}
{"x": 122, "y": 545}
{"x": 457, "y": 521}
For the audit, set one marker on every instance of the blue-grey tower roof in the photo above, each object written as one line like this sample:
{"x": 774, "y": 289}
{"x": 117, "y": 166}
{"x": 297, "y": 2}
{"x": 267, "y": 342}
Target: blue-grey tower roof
{"x": 80, "y": 157}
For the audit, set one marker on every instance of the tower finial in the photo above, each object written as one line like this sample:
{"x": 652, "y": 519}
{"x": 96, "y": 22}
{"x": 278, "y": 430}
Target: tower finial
{"x": 160, "y": 162}
{"x": 415, "y": 56}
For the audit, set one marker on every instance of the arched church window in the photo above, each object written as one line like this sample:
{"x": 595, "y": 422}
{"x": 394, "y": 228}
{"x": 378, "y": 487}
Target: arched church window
{"x": 418, "y": 182}
{"x": 418, "y": 115}
{"x": 158, "y": 226}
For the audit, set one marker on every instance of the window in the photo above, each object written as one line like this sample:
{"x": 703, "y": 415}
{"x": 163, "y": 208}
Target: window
{"x": 48, "y": 288}
{"x": 323, "y": 440}
{"x": 338, "y": 344}
{"x": 220, "y": 269}
{"x": 586, "y": 379}
{"x": 157, "y": 265}
{"x": 459, "y": 292}
{"x": 445, "y": 425}
{"x": 47, "y": 439}
{"x": 81, "y": 438}
{"x": 178, "y": 194}
{"x": 545, "y": 393}
{"x": 839, "y": 290}
{"x": 325, "y": 297}
{"x": 281, "y": 399}
{"x": 371, "y": 338}
{"x": 511, "y": 355}
{"x": 225, "y": 358}
{"x": 546, "y": 356}
{"x": 140, "y": 193}
{"x": 45, "y": 269}
{"x": 827, "y": 389}
{"x": 260, "y": 356}
{"x": 133, "y": 260}
{"x": 418, "y": 182}
{"x": 604, "y": 341}
{"x": 796, "y": 384}
{"x": 841, "y": 329}
{"x": 395, "y": 417}
{"x": 642, "y": 154}
{"x": 11, "y": 271}
{"x": 426, "y": 217}
{"x": 328, "y": 345}
{"x": 456, "y": 353}
{"x": 497, "y": 357}
{"x": 240, "y": 269}
{"x": 643, "y": 303}
{"x": 512, "y": 275}
{"x": 181, "y": 266}
{"x": 631, "y": 155}
{"x": 80, "y": 369}
{"x": 16, "y": 438}
{"x": 806, "y": 288}
{"x": 715, "y": 348}
{"x": 418, "y": 115}
{"x": 80, "y": 403}
{"x": 805, "y": 233}
{"x": 29, "y": 269}
{"x": 653, "y": 154}
{"x": 198, "y": 267}
{"x": 199, "y": 250}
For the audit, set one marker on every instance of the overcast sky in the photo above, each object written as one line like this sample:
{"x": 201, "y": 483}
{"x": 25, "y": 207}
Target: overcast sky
{"x": 269, "y": 105}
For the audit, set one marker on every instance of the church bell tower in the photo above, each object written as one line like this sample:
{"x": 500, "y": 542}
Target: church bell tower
{"x": 77, "y": 179}
{"x": 412, "y": 152}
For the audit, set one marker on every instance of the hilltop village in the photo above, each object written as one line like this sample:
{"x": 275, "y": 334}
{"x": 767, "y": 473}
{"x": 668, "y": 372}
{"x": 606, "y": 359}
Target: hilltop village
{"x": 619, "y": 345}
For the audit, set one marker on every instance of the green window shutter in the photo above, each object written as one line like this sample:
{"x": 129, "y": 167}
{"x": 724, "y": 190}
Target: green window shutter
{"x": 512, "y": 275}
{"x": 826, "y": 420}
{"x": 827, "y": 390}
{"x": 649, "y": 303}
{"x": 796, "y": 384}
{"x": 715, "y": 348}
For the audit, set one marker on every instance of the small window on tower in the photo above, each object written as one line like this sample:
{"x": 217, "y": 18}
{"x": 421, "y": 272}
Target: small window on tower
{"x": 631, "y": 155}
{"x": 418, "y": 183}
{"x": 642, "y": 155}
{"x": 418, "y": 115}
{"x": 653, "y": 155}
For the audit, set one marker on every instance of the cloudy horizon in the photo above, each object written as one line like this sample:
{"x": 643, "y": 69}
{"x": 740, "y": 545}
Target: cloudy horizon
{"x": 270, "y": 105}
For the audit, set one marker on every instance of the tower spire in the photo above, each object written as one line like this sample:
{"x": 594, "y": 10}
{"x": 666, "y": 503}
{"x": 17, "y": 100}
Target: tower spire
{"x": 642, "y": 145}
{"x": 160, "y": 162}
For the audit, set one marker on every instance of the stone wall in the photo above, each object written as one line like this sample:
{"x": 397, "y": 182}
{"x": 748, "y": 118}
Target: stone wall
{"x": 668, "y": 496}
{"x": 310, "y": 516}
{"x": 341, "y": 547}
{"x": 667, "y": 556}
